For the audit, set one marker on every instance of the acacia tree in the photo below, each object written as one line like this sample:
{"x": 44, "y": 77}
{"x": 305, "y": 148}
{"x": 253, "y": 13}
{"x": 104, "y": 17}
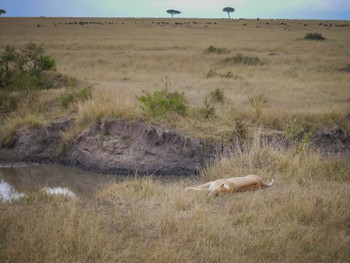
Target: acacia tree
{"x": 173, "y": 12}
{"x": 2, "y": 11}
{"x": 228, "y": 10}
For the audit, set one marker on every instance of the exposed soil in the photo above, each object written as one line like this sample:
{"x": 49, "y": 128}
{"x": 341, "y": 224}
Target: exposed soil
{"x": 118, "y": 147}
{"x": 112, "y": 146}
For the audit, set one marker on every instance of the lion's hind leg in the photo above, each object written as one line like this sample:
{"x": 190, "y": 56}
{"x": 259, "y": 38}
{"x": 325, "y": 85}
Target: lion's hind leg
{"x": 202, "y": 187}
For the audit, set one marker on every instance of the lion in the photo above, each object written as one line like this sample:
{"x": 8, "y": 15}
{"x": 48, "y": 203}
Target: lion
{"x": 233, "y": 184}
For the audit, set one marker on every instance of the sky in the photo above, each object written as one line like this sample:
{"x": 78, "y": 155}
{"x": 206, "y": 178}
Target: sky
{"x": 286, "y": 9}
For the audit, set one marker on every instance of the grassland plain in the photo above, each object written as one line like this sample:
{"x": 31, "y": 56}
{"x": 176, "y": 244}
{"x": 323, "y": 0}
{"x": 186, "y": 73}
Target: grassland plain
{"x": 303, "y": 218}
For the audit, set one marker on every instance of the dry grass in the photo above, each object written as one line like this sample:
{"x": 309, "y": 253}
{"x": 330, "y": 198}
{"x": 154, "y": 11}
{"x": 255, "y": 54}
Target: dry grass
{"x": 124, "y": 57}
{"x": 304, "y": 217}
{"x": 14, "y": 123}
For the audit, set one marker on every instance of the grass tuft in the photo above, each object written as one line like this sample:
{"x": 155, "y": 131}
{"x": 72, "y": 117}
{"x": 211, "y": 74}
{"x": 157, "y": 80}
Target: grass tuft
{"x": 13, "y": 124}
{"x": 216, "y": 50}
{"x": 314, "y": 36}
{"x": 243, "y": 60}
{"x": 73, "y": 96}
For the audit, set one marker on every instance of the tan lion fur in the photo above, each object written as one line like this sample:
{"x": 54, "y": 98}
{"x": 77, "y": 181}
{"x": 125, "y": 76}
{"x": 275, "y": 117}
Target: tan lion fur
{"x": 233, "y": 184}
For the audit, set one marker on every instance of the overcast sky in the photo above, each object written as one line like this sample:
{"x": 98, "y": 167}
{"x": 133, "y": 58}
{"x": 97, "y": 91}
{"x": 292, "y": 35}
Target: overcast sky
{"x": 289, "y": 9}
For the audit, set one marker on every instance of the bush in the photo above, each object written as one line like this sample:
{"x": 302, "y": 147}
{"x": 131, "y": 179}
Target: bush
{"x": 216, "y": 50}
{"x": 314, "y": 36}
{"x": 300, "y": 136}
{"x": 163, "y": 102}
{"x": 258, "y": 103}
{"x": 245, "y": 60}
{"x": 47, "y": 63}
{"x": 211, "y": 74}
{"x": 217, "y": 96}
{"x": 21, "y": 69}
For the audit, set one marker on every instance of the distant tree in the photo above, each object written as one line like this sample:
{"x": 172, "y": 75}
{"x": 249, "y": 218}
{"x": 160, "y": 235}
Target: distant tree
{"x": 2, "y": 11}
{"x": 228, "y": 10}
{"x": 173, "y": 12}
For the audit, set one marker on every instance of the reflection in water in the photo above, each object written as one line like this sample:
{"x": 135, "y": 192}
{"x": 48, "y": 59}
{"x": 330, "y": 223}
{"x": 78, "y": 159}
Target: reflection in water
{"x": 7, "y": 192}
{"x": 60, "y": 191}
{"x": 17, "y": 180}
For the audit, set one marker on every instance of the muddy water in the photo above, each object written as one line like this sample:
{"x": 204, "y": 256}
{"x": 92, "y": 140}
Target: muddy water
{"x": 19, "y": 179}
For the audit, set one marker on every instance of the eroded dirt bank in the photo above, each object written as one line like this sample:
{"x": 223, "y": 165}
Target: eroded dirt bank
{"x": 118, "y": 147}
{"x": 112, "y": 146}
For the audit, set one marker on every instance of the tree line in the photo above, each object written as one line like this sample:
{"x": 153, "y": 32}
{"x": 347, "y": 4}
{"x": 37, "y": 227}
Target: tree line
{"x": 172, "y": 12}
{"x": 228, "y": 10}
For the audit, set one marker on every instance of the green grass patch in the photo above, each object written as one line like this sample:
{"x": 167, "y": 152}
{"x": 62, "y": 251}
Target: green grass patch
{"x": 314, "y": 36}
{"x": 216, "y": 50}
{"x": 75, "y": 95}
{"x": 243, "y": 60}
{"x": 162, "y": 102}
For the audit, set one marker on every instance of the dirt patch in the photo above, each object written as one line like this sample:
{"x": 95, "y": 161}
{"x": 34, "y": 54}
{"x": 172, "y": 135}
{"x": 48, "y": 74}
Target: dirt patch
{"x": 37, "y": 145}
{"x": 112, "y": 146}
{"x": 331, "y": 141}
{"x": 116, "y": 146}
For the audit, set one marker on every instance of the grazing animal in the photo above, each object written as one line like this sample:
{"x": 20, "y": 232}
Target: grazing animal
{"x": 233, "y": 184}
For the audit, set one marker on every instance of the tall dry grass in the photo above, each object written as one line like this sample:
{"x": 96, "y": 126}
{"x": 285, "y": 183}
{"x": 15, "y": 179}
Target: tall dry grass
{"x": 304, "y": 217}
{"x": 124, "y": 57}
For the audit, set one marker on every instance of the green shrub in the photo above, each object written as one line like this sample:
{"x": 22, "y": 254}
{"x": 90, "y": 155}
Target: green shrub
{"x": 212, "y": 49}
{"x": 258, "y": 102}
{"x": 47, "y": 63}
{"x": 229, "y": 75}
{"x": 211, "y": 74}
{"x": 163, "y": 102}
{"x": 314, "y": 36}
{"x": 20, "y": 70}
{"x": 217, "y": 96}
{"x": 245, "y": 60}
{"x": 300, "y": 136}
{"x": 241, "y": 131}
{"x": 75, "y": 95}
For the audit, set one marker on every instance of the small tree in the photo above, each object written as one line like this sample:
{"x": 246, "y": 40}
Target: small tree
{"x": 228, "y": 10}
{"x": 2, "y": 11}
{"x": 173, "y": 12}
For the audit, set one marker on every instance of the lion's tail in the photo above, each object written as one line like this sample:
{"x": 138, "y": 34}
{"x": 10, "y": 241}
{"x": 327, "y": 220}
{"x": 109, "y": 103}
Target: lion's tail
{"x": 270, "y": 183}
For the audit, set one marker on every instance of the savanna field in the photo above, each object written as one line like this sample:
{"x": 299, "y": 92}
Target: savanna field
{"x": 243, "y": 81}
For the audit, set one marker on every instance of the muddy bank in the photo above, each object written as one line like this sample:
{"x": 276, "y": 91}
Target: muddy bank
{"x": 112, "y": 146}
{"x": 118, "y": 147}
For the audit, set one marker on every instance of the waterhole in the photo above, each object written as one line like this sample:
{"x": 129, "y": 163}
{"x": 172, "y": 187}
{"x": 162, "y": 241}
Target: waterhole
{"x": 20, "y": 179}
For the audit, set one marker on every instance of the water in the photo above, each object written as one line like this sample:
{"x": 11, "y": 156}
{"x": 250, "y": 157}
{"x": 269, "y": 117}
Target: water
{"x": 17, "y": 180}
